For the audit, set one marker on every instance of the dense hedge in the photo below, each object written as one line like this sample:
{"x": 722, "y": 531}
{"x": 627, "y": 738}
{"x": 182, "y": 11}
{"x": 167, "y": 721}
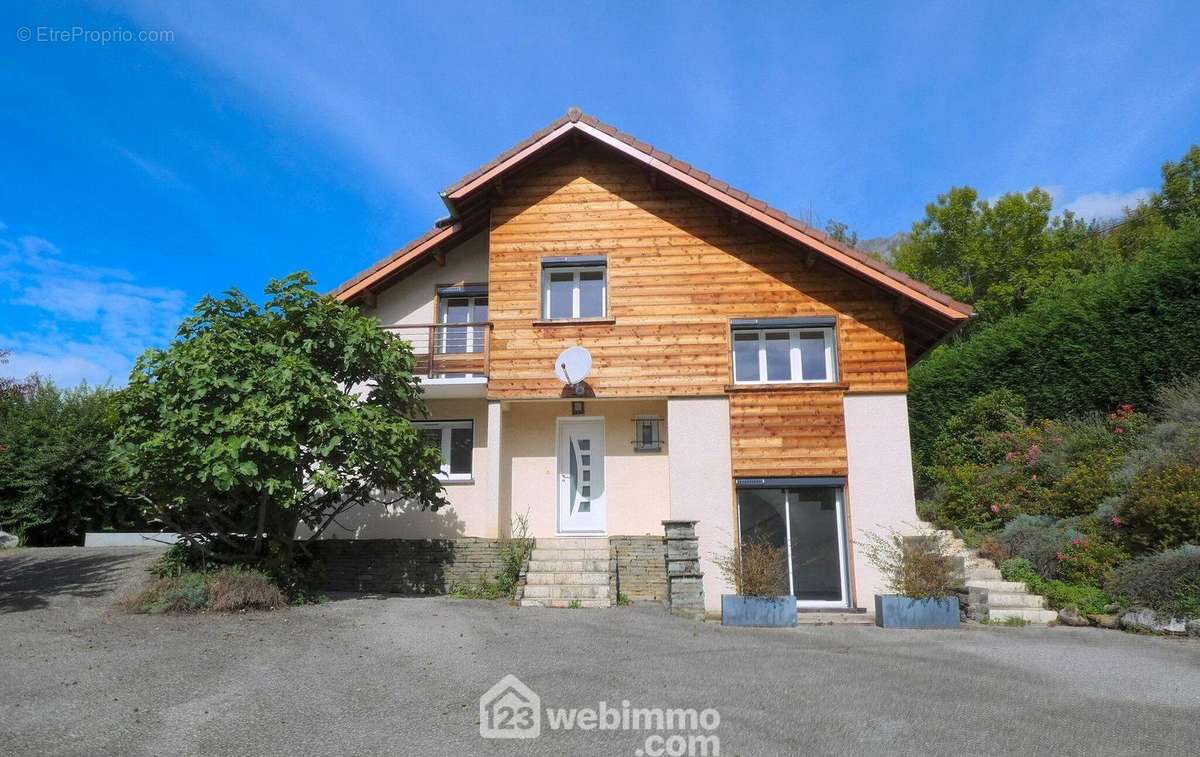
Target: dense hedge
{"x": 1106, "y": 339}
{"x": 56, "y": 481}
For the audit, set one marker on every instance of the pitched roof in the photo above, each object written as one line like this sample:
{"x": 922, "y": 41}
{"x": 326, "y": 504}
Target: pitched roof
{"x": 859, "y": 263}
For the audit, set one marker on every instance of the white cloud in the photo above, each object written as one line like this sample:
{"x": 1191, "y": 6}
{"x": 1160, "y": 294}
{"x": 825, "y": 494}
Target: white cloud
{"x": 81, "y": 322}
{"x": 1104, "y": 205}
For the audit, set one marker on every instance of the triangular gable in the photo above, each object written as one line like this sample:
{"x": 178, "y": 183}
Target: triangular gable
{"x": 938, "y": 315}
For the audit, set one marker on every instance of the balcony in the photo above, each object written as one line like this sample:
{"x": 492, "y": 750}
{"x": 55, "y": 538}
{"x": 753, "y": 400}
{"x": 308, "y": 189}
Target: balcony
{"x": 452, "y": 358}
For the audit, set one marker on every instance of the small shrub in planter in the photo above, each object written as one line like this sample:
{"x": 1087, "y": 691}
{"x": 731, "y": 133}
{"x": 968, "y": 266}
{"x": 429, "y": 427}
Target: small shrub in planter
{"x": 923, "y": 576}
{"x": 758, "y": 571}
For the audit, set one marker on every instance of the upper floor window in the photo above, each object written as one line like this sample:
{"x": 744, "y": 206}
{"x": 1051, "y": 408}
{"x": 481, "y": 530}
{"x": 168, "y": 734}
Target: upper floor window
{"x": 783, "y": 351}
{"x": 574, "y": 288}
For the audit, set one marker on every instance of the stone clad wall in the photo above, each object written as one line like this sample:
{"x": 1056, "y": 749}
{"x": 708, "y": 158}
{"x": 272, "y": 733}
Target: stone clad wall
{"x": 406, "y": 566}
{"x": 638, "y": 568}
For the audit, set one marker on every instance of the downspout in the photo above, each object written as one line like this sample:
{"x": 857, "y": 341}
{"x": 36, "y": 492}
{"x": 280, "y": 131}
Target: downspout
{"x": 452, "y": 216}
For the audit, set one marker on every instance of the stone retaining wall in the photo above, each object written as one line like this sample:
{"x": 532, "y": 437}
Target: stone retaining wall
{"x": 638, "y": 568}
{"x": 406, "y": 566}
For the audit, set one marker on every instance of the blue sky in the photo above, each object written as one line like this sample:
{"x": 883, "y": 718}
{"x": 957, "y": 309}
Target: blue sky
{"x": 272, "y": 137}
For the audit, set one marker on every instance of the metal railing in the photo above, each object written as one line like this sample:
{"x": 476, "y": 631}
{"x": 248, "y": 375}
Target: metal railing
{"x": 448, "y": 350}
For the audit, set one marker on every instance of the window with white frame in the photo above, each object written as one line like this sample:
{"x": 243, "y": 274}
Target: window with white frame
{"x": 789, "y": 354}
{"x": 455, "y": 440}
{"x": 574, "y": 288}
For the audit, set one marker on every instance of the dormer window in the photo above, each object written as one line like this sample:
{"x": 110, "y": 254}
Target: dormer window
{"x": 784, "y": 351}
{"x": 574, "y": 288}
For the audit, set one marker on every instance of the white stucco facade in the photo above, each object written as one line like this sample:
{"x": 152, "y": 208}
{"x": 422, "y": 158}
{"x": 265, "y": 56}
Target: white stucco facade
{"x": 879, "y": 492}
{"x": 413, "y": 301}
{"x": 701, "y": 478}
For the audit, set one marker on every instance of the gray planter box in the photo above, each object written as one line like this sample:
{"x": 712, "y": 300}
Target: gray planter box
{"x": 895, "y": 611}
{"x": 737, "y": 610}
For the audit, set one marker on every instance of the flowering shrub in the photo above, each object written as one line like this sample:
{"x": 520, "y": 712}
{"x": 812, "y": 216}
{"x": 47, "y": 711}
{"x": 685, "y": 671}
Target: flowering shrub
{"x": 1089, "y": 561}
{"x": 1039, "y": 539}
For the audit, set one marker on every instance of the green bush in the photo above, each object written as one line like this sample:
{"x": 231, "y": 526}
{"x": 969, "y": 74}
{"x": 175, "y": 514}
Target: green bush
{"x": 1088, "y": 345}
{"x": 1040, "y": 540}
{"x": 1059, "y": 594}
{"x": 978, "y": 434}
{"x": 1162, "y": 509}
{"x": 1168, "y": 582}
{"x": 1090, "y": 561}
{"x": 56, "y": 482}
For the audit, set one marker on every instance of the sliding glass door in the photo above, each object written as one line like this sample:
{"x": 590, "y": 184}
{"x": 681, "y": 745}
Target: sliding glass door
{"x": 809, "y": 521}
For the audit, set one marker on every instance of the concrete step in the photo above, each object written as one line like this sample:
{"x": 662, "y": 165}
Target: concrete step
{"x": 983, "y": 574}
{"x": 566, "y": 603}
{"x": 567, "y": 591}
{"x": 565, "y": 579}
{"x": 1029, "y": 614}
{"x": 1003, "y": 586}
{"x": 835, "y": 619}
{"x": 542, "y": 553}
{"x": 1015, "y": 599}
{"x": 573, "y": 542}
{"x": 569, "y": 566}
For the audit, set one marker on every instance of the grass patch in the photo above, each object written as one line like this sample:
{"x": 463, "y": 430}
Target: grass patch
{"x": 224, "y": 590}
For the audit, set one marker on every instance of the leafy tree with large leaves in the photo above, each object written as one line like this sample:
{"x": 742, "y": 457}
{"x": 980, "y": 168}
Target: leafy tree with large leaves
{"x": 261, "y": 418}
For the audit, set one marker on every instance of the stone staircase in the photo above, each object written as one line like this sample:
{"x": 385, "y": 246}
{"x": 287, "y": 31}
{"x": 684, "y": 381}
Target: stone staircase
{"x": 987, "y": 596}
{"x": 568, "y": 572}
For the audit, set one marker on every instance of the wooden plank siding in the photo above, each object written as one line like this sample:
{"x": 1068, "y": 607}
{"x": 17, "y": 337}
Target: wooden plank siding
{"x": 788, "y": 433}
{"x": 679, "y": 268}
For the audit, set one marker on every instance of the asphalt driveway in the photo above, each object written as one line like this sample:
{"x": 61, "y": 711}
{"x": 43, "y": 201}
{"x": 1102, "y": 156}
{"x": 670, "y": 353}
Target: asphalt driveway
{"x": 404, "y": 676}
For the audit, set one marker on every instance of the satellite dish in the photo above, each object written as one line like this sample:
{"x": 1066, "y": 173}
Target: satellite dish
{"x": 573, "y": 365}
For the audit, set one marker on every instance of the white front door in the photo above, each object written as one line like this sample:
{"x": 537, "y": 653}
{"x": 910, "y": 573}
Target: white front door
{"x": 581, "y": 496}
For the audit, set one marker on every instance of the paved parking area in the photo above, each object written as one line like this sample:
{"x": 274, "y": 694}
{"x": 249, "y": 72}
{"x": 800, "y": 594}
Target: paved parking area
{"x": 403, "y": 676}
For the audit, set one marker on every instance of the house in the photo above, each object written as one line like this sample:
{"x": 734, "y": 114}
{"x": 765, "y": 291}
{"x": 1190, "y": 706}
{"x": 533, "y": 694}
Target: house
{"x": 747, "y": 372}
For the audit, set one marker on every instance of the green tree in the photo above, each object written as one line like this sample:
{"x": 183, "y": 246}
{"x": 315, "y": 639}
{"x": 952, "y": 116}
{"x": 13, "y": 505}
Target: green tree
{"x": 259, "y": 419}
{"x": 1180, "y": 195}
{"x": 841, "y": 232}
{"x": 1089, "y": 344}
{"x": 999, "y": 256}
{"x": 55, "y": 479}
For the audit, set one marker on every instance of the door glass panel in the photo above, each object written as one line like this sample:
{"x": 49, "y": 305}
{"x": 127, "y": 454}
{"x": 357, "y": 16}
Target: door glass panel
{"x": 559, "y": 289}
{"x": 458, "y": 310}
{"x": 573, "y": 473}
{"x": 779, "y": 356}
{"x": 591, "y": 294}
{"x": 812, "y": 356}
{"x": 816, "y": 551}
{"x": 460, "y": 450}
{"x": 745, "y": 357}
{"x": 762, "y": 516}
{"x": 479, "y": 314}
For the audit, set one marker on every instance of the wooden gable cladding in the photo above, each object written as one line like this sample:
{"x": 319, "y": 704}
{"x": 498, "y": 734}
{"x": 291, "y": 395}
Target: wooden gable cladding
{"x": 799, "y": 432}
{"x": 679, "y": 269}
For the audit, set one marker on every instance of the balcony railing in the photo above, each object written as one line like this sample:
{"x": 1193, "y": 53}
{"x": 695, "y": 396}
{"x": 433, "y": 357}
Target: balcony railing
{"x": 448, "y": 350}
